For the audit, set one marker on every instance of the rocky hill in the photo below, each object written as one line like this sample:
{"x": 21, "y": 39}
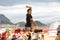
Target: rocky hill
{"x": 4, "y": 19}
{"x": 38, "y": 23}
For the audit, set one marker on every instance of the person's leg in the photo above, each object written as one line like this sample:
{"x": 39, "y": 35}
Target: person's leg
{"x": 28, "y": 30}
{"x": 42, "y": 37}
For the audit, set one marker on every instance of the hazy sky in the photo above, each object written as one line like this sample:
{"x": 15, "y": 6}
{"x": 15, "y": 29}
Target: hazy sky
{"x": 45, "y": 11}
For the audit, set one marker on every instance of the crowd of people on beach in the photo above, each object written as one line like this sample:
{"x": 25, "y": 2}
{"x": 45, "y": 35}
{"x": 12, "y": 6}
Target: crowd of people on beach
{"x": 22, "y": 34}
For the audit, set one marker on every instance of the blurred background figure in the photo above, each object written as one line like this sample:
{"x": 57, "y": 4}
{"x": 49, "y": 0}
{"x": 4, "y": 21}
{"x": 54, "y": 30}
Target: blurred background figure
{"x": 13, "y": 37}
{"x": 0, "y": 36}
{"x": 58, "y": 30}
{"x": 3, "y": 36}
{"x": 58, "y": 33}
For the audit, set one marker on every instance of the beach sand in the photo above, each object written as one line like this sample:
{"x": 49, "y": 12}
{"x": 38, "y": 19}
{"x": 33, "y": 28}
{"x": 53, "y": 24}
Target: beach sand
{"x": 46, "y": 37}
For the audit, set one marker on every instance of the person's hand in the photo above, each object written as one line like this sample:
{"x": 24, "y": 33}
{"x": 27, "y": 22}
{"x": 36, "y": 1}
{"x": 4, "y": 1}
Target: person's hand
{"x": 28, "y": 6}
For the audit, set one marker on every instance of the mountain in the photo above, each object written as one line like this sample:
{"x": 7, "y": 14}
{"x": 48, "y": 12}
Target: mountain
{"x": 4, "y": 19}
{"x": 22, "y": 24}
{"x": 40, "y": 23}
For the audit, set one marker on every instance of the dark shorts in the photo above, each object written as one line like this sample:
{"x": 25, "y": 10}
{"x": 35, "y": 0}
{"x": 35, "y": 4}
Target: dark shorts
{"x": 36, "y": 30}
{"x": 28, "y": 28}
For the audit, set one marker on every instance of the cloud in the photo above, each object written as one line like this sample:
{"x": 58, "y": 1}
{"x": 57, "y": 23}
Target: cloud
{"x": 45, "y": 12}
{"x": 14, "y": 2}
{"x": 15, "y": 13}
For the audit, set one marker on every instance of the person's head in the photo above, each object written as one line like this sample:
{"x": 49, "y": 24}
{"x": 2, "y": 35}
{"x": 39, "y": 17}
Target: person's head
{"x": 14, "y": 36}
{"x": 24, "y": 30}
{"x": 59, "y": 26}
{"x": 29, "y": 11}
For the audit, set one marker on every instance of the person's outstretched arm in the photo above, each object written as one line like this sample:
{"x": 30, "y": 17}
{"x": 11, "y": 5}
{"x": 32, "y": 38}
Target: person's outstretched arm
{"x": 29, "y": 7}
{"x": 33, "y": 22}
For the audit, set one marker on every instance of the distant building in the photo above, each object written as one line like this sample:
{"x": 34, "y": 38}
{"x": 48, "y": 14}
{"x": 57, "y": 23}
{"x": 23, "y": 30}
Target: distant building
{"x": 7, "y": 25}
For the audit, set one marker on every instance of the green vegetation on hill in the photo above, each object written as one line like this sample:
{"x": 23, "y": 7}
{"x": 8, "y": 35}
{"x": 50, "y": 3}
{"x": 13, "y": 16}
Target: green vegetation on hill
{"x": 22, "y": 24}
{"x": 4, "y": 20}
